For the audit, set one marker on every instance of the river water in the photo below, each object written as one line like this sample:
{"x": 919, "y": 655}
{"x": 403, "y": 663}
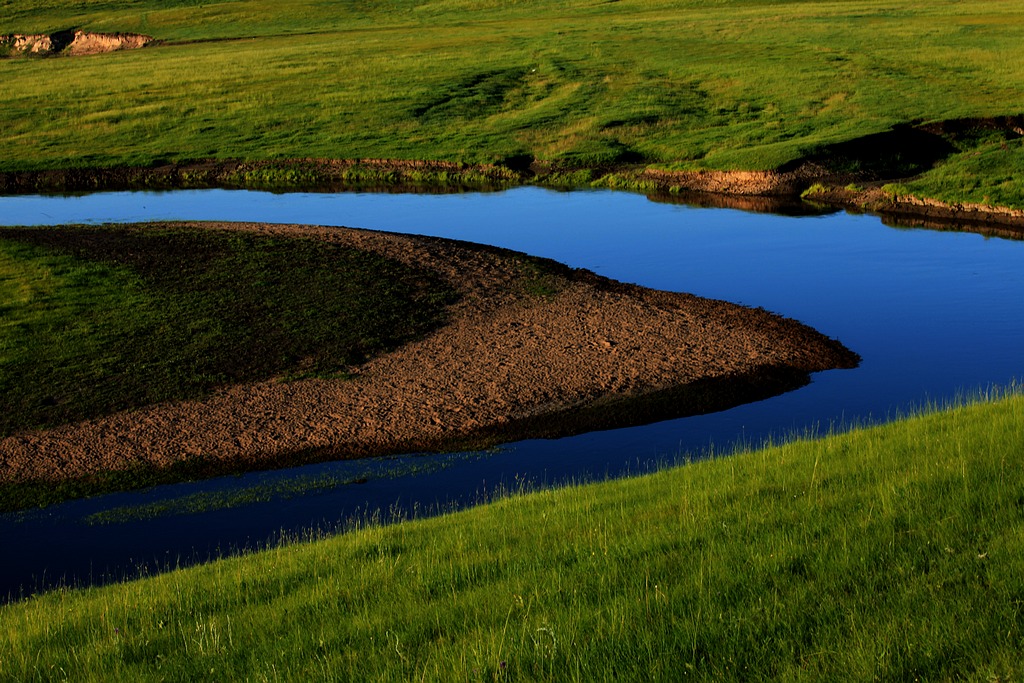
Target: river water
{"x": 934, "y": 315}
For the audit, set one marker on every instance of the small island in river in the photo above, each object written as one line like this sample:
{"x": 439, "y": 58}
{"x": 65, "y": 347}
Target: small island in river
{"x": 523, "y": 353}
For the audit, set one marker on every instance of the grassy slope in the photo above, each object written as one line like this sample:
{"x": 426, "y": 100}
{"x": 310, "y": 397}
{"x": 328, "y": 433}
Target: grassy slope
{"x": 895, "y": 552}
{"x": 991, "y": 174}
{"x": 683, "y": 83}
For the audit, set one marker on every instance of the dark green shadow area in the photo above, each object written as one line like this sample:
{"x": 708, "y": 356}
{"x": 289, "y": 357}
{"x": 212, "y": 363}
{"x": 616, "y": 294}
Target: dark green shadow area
{"x": 99, "y": 319}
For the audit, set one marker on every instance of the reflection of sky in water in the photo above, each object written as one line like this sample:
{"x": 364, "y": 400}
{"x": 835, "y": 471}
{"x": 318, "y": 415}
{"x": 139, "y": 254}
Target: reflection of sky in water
{"x": 932, "y": 314}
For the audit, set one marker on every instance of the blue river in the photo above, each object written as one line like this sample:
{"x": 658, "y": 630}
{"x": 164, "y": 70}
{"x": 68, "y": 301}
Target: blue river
{"x": 935, "y": 316}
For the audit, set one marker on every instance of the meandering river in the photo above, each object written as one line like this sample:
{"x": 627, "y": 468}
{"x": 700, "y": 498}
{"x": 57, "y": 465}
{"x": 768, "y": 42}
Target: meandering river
{"x": 934, "y": 315}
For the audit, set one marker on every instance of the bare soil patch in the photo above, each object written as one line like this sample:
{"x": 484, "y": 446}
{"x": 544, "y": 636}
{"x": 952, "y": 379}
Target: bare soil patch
{"x": 73, "y": 42}
{"x": 520, "y": 358}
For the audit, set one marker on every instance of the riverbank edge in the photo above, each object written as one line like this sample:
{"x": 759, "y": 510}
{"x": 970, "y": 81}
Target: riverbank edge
{"x": 808, "y": 186}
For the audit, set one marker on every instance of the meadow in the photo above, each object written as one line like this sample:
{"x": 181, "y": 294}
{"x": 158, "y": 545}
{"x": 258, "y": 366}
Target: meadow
{"x": 892, "y": 552}
{"x": 889, "y": 552}
{"x": 672, "y": 84}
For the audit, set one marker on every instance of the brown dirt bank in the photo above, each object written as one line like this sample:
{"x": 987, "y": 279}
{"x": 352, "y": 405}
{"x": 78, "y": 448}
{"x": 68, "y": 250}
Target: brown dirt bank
{"x": 341, "y": 174}
{"x": 73, "y": 42}
{"x": 907, "y": 211}
{"x": 510, "y": 364}
{"x": 759, "y": 191}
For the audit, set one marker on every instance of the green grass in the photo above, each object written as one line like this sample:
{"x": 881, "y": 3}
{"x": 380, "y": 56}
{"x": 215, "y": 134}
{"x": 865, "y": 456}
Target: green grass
{"x": 101, "y": 319}
{"x": 992, "y": 174}
{"x": 894, "y": 552}
{"x": 727, "y": 84}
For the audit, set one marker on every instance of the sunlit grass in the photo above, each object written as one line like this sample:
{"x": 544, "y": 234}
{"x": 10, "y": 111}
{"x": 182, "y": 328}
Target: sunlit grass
{"x": 730, "y": 84}
{"x": 893, "y": 552}
{"x": 992, "y": 174}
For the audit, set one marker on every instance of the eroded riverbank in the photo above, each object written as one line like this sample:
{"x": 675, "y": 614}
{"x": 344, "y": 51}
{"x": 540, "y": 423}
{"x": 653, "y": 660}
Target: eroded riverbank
{"x": 802, "y": 188}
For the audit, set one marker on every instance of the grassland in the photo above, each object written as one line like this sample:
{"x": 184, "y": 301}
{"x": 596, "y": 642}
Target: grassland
{"x": 102, "y": 319}
{"x": 891, "y": 553}
{"x": 677, "y": 84}
{"x": 990, "y": 174}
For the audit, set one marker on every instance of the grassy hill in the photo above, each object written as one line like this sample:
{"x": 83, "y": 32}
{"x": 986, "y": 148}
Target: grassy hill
{"x": 893, "y": 553}
{"x": 678, "y": 84}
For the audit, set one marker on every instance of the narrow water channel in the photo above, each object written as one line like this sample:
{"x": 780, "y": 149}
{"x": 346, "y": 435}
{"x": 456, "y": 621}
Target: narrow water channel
{"x": 934, "y": 315}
